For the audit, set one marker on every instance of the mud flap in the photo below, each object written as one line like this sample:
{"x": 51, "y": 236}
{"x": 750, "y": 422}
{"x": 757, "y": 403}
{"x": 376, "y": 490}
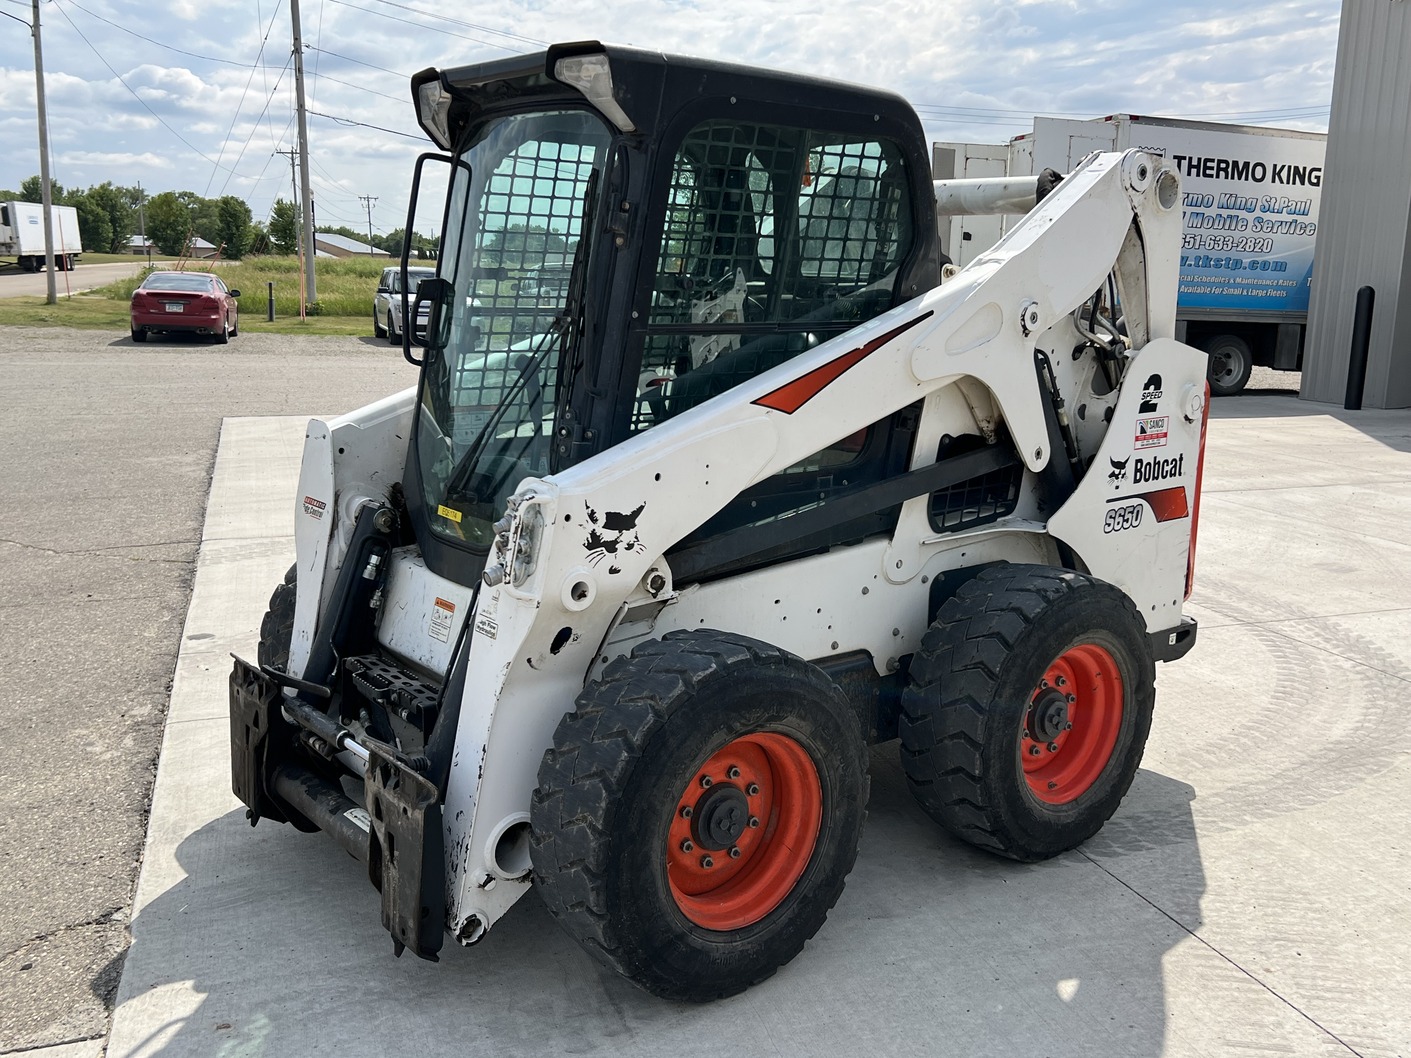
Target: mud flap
{"x": 255, "y": 717}
{"x": 407, "y": 858}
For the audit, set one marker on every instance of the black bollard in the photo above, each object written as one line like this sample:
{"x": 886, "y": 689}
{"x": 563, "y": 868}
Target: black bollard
{"x": 270, "y": 315}
{"x": 1361, "y": 342}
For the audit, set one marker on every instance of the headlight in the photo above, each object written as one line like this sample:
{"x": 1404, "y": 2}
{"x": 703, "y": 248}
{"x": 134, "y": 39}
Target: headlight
{"x": 592, "y": 75}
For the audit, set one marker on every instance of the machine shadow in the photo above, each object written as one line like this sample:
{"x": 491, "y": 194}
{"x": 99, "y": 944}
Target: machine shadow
{"x": 271, "y": 944}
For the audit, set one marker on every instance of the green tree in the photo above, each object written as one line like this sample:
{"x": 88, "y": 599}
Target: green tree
{"x": 168, "y": 223}
{"x": 233, "y": 217}
{"x": 392, "y": 241}
{"x": 94, "y": 227}
{"x": 259, "y": 239}
{"x": 117, "y": 204}
{"x": 284, "y": 227}
{"x": 31, "y": 190}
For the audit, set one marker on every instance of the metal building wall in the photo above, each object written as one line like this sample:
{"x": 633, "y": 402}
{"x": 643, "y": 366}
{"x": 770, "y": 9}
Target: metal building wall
{"x": 1364, "y": 236}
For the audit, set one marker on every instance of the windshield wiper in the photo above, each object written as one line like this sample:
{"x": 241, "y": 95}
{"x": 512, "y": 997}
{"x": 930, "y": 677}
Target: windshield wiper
{"x": 569, "y": 319}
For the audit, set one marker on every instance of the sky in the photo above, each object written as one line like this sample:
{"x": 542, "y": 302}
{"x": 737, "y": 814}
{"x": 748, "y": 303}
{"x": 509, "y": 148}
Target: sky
{"x": 197, "y": 95}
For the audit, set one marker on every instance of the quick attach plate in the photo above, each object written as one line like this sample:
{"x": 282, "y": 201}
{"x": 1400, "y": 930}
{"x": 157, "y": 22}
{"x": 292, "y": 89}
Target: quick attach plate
{"x": 255, "y": 716}
{"x": 406, "y": 859}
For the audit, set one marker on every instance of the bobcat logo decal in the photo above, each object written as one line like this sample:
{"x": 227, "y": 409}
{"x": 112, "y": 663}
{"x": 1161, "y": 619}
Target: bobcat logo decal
{"x": 612, "y": 533}
{"x": 1119, "y": 471}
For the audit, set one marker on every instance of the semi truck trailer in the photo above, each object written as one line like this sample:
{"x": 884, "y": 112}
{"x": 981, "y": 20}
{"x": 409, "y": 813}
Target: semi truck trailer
{"x": 1250, "y": 198}
{"x": 22, "y": 235}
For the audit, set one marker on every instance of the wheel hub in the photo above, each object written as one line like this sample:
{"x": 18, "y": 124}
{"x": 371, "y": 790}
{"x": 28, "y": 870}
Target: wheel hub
{"x": 1048, "y": 716}
{"x": 720, "y": 817}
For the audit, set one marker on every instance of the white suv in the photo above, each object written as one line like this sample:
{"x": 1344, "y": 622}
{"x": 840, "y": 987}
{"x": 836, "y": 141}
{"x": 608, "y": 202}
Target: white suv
{"x": 390, "y": 303}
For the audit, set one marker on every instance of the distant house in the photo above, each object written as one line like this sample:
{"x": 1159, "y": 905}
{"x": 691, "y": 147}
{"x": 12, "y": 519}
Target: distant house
{"x": 342, "y": 246}
{"x": 199, "y": 247}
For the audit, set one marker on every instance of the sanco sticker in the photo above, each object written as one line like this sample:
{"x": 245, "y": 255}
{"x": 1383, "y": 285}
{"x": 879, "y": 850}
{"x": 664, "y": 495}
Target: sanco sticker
{"x": 447, "y": 512}
{"x": 1152, "y": 431}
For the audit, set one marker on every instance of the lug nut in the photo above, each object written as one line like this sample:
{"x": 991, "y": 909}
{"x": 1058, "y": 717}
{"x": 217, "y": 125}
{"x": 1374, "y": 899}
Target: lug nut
{"x": 754, "y": 822}
{"x": 734, "y": 852}
{"x": 752, "y": 790}
{"x": 707, "y": 781}
{"x": 686, "y": 812}
{"x": 1068, "y": 726}
{"x": 1061, "y": 681}
{"x": 1052, "y": 785}
{"x": 733, "y": 772}
{"x": 707, "y": 862}
{"x": 1034, "y": 751}
{"x": 1071, "y": 698}
{"x": 1043, "y": 685}
{"x": 688, "y": 845}
{"x": 1053, "y": 747}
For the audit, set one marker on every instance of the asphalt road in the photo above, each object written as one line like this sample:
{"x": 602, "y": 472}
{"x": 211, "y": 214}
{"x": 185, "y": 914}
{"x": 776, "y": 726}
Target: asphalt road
{"x": 108, "y": 449}
{"x": 17, "y": 284}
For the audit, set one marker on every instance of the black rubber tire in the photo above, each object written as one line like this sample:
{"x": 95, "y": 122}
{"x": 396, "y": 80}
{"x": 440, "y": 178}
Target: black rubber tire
{"x": 608, "y": 792}
{"x": 1231, "y": 364}
{"x": 222, "y": 337}
{"x": 139, "y": 335}
{"x": 277, "y": 628}
{"x": 393, "y": 338}
{"x": 378, "y": 331}
{"x": 235, "y": 330}
{"x": 970, "y": 685}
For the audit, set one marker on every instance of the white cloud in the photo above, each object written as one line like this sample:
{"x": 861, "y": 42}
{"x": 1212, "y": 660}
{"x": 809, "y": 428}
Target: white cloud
{"x": 974, "y": 71}
{"x": 112, "y": 159}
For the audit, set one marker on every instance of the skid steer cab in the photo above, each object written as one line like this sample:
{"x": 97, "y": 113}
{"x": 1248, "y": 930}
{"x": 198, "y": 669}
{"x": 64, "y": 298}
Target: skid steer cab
{"x": 706, "y": 483}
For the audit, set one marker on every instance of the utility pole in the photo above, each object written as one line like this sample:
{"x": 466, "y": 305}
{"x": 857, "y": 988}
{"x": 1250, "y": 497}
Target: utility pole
{"x": 45, "y": 193}
{"x": 142, "y": 222}
{"x": 309, "y": 244}
{"x": 369, "y": 201}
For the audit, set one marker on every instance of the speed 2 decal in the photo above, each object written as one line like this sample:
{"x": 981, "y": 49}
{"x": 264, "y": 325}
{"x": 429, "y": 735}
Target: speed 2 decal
{"x": 1151, "y": 393}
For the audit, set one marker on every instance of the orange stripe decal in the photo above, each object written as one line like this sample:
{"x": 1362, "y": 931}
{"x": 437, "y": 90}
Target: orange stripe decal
{"x": 1168, "y": 504}
{"x": 792, "y": 396}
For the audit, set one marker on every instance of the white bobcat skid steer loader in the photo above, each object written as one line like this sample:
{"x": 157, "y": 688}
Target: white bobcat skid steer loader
{"x": 611, "y": 602}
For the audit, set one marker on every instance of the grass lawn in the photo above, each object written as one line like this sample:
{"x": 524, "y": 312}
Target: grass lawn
{"x": 345, "y": 289}
{"x": 97, "y": 313}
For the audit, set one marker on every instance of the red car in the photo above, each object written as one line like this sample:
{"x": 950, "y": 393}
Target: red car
{"x": 190, "y": 302}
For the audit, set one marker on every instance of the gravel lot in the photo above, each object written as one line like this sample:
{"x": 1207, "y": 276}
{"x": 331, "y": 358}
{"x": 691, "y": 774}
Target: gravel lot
{"x": 109, "y": 448}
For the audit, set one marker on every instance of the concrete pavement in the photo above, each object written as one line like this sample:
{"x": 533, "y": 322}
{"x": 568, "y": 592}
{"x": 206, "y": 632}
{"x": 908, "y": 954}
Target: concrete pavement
{"x": 1251, "y": 896}
{"x": 17, "y": 284}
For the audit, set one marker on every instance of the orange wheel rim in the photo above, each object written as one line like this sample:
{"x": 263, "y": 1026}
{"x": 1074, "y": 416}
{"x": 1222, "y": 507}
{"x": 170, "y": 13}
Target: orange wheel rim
{"x": 1072, "y": 724}
{"x": 743, "y": 831}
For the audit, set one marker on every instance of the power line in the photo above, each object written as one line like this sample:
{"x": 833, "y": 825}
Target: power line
{"x": 240, "y": 105}
{"x": 254, "y": 128}
{"x": 150, "y": 40}
{"x": 467, "y": 25}
{"x": 422, "y": 25}
{"x": 365, "y": 88}
{"x": 134, "y": 95}
{"x": 364, "y": 125}
{"x": 359, "y": 62}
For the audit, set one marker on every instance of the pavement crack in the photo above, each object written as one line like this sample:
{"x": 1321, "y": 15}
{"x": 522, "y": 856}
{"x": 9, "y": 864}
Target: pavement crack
{"x": 105, "y": 918}
{"x": 41, "y": 1047}
{"x": 1222, "y": 956}
{"x": 104, "y": 551}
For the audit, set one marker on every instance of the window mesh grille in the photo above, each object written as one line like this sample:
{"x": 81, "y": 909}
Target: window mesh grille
{"x": 775, "y": 239}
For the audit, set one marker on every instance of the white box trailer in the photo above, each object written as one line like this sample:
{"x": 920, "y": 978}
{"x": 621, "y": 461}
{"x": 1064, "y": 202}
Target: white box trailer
{"x": 22, "y": 235}
{"x": 1250, "y": 221}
